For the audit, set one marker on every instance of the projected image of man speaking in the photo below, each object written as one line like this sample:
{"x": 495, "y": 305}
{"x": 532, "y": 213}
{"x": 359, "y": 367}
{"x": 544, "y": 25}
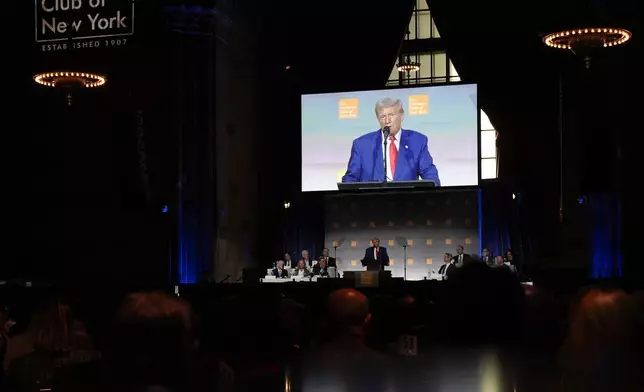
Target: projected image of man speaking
{"x": 407, "y": 152}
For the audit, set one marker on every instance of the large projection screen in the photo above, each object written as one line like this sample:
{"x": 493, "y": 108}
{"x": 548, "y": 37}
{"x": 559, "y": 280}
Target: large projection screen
{"x": 435, "y": 133}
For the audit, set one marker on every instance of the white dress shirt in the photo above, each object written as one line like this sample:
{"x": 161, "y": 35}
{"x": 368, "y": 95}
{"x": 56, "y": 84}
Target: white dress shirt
{"x": 301, "y": 272}
{"x": 390, "y": 175}
{"x": 375, "y": 253}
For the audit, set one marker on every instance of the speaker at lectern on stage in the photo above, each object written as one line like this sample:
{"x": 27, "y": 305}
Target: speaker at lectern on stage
{"x": 375, "y": 257}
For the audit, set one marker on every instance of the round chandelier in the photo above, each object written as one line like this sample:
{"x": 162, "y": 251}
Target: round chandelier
{"x": 70, "y": 79}
{"x": 587, "y": 38}
{"x": 408, "y": 66}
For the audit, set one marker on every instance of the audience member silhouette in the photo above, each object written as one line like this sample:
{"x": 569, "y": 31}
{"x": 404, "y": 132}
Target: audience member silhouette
{"x": 53, "y": 341}
{"x": 481, "y": 305}
{"x": 153, "y": 347}
{"x": 345, "y": 363}
{"x": 603, "y": 348}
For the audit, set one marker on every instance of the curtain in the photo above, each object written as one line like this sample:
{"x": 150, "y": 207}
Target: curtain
{"x": 606, "y": 246}
{"x": 494, "y": 214}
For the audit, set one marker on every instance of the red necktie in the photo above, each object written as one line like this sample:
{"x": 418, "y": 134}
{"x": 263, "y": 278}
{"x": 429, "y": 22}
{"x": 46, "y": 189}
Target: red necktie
{"x": 393, "y": 154}
{"x": 376, "y": 253}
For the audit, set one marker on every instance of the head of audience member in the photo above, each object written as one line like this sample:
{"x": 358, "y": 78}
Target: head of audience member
{"x": 595, "y": 316}
{"x": 287, "y": 257}
{"x": 280, "y": 264}
{"x": 348, "y": 313}
{"x": 509, "y": 255}
{"x": 301, "y": 264}
{"x": 291, "y": 320}
{"x": 346, "y": 364}
{"x": 227, "y": 336}
{"x": 447, "y": 258}
{"x": 484, "y": 306}
{"x": 305, "y": 255}
{"x": 409, "y": 313}
{"x": 486, "y": 252}
{"x": 325, "y": 252}
{"x": 322, "y": 262}
{"x": 376, "y": 242}
{"x": 154, "y": 331}
{"x": 57, "y": 330}
{"x": 459, "y": 249}
{"x": 602, "y": 349}
{"x": 499, "y": 260}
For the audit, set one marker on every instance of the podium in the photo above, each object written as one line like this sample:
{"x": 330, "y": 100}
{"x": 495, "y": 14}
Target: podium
{"x": 372, "y": 265}
{"x": 368, "y": 278}
{"x": 361, "y": 186}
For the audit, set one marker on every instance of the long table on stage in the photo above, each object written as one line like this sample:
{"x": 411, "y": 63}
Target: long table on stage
{"x": 350, "y": 274}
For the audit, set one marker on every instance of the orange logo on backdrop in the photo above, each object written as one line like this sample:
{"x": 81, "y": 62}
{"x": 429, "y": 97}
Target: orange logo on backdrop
{"x": 418, "y": 104}
{"x": 348, "y": 108}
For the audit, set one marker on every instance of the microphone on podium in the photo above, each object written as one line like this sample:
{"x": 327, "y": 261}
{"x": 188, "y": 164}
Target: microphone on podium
{"x": 385, "y": 135}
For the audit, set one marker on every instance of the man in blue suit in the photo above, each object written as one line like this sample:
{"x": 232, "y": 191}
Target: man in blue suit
{"x": 408, "y": 157}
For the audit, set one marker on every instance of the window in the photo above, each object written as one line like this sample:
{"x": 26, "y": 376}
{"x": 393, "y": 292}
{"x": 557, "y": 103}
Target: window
{"x": 433, "y": 69}
{"x": 425, "y": 61}
{"x": 412, "y": 26}
{"x": 421, "y": 24}
{"x": 453, "y": 74}
{"x": 440, "y": 67}
{"x": 489, "y": 156}
{"x": 394, "y": 76}
{"x": 488, "y": 144}
{"x": 486, "y": 125}
{"x": 435, "y": 33}
{"x": 488, "y": 168}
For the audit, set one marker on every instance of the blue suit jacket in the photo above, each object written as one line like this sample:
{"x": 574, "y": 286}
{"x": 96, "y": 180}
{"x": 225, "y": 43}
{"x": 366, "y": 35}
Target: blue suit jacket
{"x": 414, "y": 161}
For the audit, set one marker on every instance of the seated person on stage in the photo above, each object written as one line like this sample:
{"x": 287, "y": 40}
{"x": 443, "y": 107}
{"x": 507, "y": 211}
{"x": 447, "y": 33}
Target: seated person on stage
{"x": 330, "y": 261}
{"x": 301, "y": 269}
{"x": 375, "y": 257}
{"x": 448, "y": 268}
{"x": 287, "y": 260}
{"x": 461, "y": 258}
{"x": 280, "y": 271}
{"x": 502, "y": 264}
{"x": 321, "y": 268}
{"x": 306, "y": 258}
{"x": 487, "y": 258}
{"x": 511, "y": 258}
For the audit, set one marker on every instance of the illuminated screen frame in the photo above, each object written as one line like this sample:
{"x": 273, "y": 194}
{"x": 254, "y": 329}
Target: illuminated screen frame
{"x": 397, "y": 87}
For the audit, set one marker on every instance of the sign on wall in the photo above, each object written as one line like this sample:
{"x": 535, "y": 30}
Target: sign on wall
{"x": 83, "y": 24}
